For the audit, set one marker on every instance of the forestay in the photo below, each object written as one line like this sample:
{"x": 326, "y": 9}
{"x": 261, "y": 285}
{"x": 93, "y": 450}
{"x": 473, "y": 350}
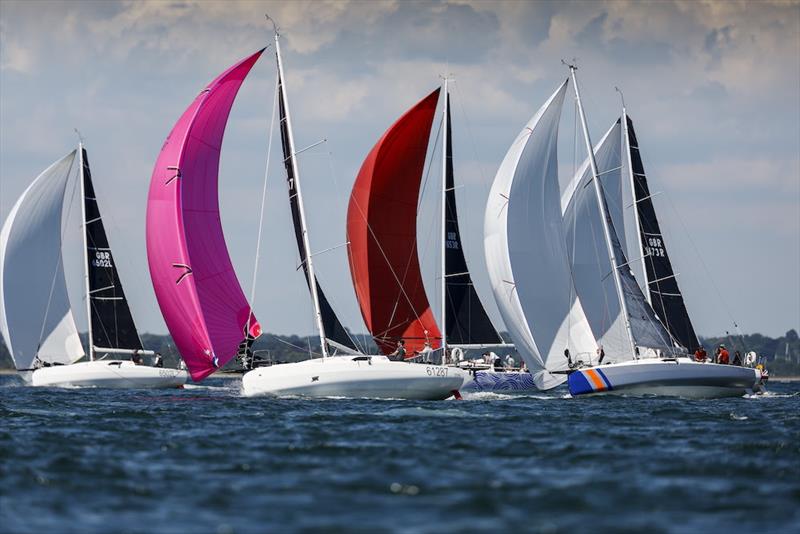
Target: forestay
{"x": 35, "y": 314}
{"x": 198, "y": 292}
{"x": 526, "y": 252}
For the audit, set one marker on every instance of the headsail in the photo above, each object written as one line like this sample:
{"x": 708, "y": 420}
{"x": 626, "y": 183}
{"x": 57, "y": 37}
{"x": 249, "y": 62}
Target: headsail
{"x": 591, "y": 264}
{"x": 112, "y": 324}
{"x": 333, "y": 328}
{"x": 467, "y": 322}
{"x": 525, "y": 251}
{"x": 195, "y": 283}
{"x": 382, "y": 231}
{"x": 665, "y": 295}
{"x": 35, "y": 314}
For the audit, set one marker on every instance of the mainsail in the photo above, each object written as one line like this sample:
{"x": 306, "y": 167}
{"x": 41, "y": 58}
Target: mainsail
{"x": 526, "y": 252}
{"x": 466, "y": 320}
{"x": 662, "y": 284}
{"x": 382, "y": 231}
{"x": 334, "y": 330}
{"x": 112, "y": 325}
{"x": 200, "y": 297}
{"x": 35, "y": 314}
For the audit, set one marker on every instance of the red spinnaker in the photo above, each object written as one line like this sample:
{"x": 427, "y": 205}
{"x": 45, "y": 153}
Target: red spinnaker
{"x": 194, "y": 281}
{"x": 382, "y": 230}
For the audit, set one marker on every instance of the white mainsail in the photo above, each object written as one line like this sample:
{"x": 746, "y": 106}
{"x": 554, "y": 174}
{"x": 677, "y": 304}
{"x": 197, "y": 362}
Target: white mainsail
{"x": 35, "y": 314}
{"x": 526, "y": 251}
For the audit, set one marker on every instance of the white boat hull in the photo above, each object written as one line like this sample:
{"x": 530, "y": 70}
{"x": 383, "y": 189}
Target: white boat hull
{"x": 682, "y": 377}
{"x": 355, "y": 377}
{"x": 108, "y": 374}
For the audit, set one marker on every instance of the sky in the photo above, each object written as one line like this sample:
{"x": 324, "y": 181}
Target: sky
{"x": 713, "y": 89}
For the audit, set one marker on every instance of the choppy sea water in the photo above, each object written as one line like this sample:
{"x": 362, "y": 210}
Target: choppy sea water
{"x": 204, "y": 459}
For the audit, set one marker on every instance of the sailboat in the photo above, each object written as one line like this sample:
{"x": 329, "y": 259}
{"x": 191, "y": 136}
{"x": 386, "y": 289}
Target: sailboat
{"x": 550, "y": 297}
{"x": 36, "y": 317}
{"x": 201, "y": 299}
{"x": 382, "y": 232}
{"x": 647, "y": 336}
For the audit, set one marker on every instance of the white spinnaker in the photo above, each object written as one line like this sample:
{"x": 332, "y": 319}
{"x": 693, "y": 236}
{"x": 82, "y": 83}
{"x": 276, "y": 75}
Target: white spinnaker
{"x": 526, "y": 253}
{"x": 591, "y": 265}
{"x": 35, "y": 314}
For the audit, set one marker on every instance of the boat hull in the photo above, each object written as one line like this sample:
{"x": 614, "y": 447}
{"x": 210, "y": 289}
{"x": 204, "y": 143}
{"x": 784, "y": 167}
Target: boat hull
{"x": 675, "y": 378}
{"x": 108, "y": 374}
{"x": 355, "y": 377}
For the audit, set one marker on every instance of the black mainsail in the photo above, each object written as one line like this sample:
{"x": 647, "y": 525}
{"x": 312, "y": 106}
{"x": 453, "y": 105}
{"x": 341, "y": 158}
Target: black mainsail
{"x": 665, "y": 295}
{"x": 334, "y": 330}
{"x": 112, "y": 325}
{"x": 466, "y": 320}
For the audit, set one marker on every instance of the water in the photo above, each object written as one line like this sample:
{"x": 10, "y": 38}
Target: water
{"x": 204, "y": 459}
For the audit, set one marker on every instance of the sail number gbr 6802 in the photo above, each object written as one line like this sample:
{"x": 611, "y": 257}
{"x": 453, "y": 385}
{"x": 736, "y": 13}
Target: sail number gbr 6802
{"x": 436, "y": 371}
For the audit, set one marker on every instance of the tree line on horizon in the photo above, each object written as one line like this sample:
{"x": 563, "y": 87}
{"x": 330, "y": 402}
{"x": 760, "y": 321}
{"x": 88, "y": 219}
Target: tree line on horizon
{"x": 782, "y": 354}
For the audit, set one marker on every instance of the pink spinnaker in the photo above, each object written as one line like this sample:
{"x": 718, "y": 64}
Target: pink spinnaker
{"x": 201, "y": 300}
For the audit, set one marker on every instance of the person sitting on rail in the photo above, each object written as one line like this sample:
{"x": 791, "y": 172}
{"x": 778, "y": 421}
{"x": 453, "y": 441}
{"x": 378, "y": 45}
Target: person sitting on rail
{"x": 399, "y": 354}
{"x": 700, "y": 355}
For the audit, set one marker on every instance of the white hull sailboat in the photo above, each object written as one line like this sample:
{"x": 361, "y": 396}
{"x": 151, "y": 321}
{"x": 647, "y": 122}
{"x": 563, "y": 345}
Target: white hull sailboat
{"x": 115, "y": 374}
{"x": 647, "y": 346}
{"x": 35, "y": 313}
{"x": 201, "y": 299}
{"x": 352, "y": 375}
{"x": 553, "y": 285}
{"x": 355, "y": 376}
{"x": 677, "y": 377}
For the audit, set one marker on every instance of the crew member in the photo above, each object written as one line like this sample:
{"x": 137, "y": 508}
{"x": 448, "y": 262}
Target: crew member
{"x": 158, "y": 361}
{"x": 700, "y": 354}
{"x": 601, "y": 353}
{"x": 724, "y": 355}
{"x": 737, "y": 358}
{"x": 399, "y": 354}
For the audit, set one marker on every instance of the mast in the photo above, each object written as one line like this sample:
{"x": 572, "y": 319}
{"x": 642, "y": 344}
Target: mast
{"x": 604, "y": 216}
{"x": 85, "y": 248}
{"x": 444, "y": 220}
{"x": 627, "y": 144}
{"x": 297, "y": 191}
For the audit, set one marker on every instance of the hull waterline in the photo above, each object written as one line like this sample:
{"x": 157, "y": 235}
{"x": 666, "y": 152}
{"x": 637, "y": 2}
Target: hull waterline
{"x": 680, "y": 377}
{"x": 355, "y": 377}
{"x": 116, "y": 374}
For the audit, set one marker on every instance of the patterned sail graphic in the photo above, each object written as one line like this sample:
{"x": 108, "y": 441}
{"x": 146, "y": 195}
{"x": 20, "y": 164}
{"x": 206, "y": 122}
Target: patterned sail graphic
{"x": 198, "y": 292}
{"x": 382, "y": 231}
{"x": 112, "y": 322}
{"x": 665, "y": 295}
{"x": 466, "y": 319}
{"x": 35, "y": 315}
{"x": 526, "y": 252}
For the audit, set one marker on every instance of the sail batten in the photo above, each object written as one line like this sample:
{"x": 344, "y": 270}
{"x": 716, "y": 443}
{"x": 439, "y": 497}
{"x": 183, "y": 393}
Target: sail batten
{"x": 382, "y": 232}
{"x": 200, "y": 297}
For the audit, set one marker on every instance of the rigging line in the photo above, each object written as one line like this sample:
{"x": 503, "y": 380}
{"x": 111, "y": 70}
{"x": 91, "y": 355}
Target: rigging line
{"x": 60, "y": 257}
{"x": 263, "y": 205}
{"x": 705, "y": 267}
{"x": 362, "y": 347}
